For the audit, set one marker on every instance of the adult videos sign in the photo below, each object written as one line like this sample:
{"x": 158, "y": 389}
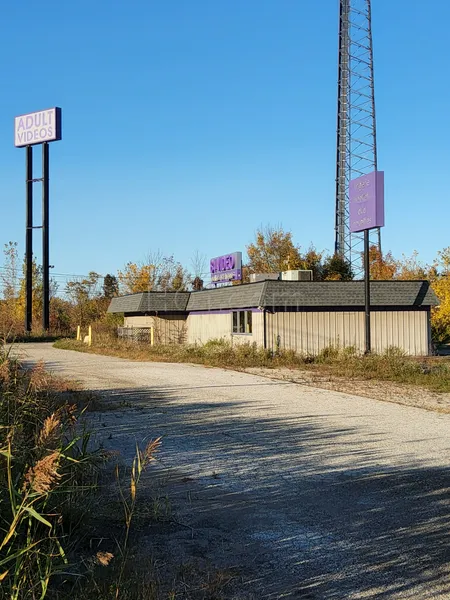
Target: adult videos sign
{"x": 37, "y": 127}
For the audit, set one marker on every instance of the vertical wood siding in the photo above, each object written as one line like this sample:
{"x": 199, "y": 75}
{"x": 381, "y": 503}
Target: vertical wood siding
{"x": 303, "y": 332}
{"x": 406, "y": 330}
{"x": 168, "y": 329}
{"x": 311, "y": 332}
{"x": 201, "y": 328}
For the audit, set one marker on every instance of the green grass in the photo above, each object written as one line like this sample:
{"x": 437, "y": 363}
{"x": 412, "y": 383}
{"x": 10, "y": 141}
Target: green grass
{"x": 394, "y": 366}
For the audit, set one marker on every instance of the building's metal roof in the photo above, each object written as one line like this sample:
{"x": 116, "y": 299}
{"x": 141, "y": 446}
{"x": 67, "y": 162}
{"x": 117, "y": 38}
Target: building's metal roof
{"x": 150, "y": 302}
{"x": 233, "y": 296}
{"x": 347, "y": 293}
{"x": 281, "y": 294}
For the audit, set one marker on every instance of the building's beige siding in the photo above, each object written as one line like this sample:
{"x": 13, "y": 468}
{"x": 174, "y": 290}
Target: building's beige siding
{"x": 303, "y": 332}
{"x": 204, "y": 327}
{"x": 311, "y": 332}
{"x": 138, "y": 321}
{"x": 168, "y": 329}
{"x": 408, "y": 330}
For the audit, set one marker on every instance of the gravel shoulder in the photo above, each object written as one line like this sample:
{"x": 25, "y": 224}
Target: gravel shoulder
{"x": 407, "y": 395}
{"x": 289, "y": 490}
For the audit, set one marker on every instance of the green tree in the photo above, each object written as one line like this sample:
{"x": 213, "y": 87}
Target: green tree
{"x": 61, "y": 316}
{"x": 337, "y": 268}
{"x": 10, "y": 323}
{"x": 197, "y": 284}
{"x": 85, "y": 299}
{"x": 312, "y": 260}
{"x": 9, "y": 275}
{"x": 110, "y": 286}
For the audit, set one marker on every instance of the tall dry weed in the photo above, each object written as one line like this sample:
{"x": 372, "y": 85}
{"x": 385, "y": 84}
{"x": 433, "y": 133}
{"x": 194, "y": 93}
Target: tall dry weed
{"x": 45, "y": 471}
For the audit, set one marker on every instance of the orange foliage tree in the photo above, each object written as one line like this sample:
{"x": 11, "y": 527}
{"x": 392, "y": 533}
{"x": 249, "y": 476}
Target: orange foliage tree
{"x": 273, "y": 251}
{"x": 157, "y": 273}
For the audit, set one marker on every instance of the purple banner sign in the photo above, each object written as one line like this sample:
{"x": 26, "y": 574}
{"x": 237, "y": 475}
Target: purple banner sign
{"x": 226, "y": 268}
{"x": 366, "y": 197}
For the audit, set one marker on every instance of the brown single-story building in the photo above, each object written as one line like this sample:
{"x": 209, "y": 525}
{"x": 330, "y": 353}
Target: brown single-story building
{"x": 304, "y": 316}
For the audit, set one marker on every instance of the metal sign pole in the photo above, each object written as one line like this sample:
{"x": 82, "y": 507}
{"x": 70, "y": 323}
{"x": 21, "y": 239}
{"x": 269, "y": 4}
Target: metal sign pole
{"x": 367, "y": 290}
{"x": 29, "y": 241}
{"x": 39, "y": 127}
{"x": 45, "y": 239}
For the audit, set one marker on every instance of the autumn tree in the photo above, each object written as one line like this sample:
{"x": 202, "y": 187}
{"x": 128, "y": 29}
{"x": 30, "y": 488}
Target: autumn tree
{"x": 410, "y": 267}
{"x": 312, "y": 260}
{"x": 440, "y": 281}
{"x": 273, "y": 251}
{"x": 382, "y": 266}
{"x": 37, "y": 289}
{"x": 157, "y": 273}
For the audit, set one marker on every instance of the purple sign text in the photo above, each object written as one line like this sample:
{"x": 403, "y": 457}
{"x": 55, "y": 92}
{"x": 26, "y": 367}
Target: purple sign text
{"x": 366, "y": 197}
{"x": 226, "y": 268}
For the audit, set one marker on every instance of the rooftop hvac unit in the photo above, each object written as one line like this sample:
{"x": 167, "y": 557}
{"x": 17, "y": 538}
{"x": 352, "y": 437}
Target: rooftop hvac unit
{"x": 254, "y": 277}
{"x": 298, "y": 275}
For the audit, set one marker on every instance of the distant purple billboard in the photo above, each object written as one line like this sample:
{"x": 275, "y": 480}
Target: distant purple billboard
{"x": 366, "y": 198}
{"x": 226, "y": 268}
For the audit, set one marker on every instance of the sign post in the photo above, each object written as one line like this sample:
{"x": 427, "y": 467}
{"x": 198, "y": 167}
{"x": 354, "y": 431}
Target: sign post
{"x": 366, "y": 197}
{"x": 29, "y": 240}
{"x": 37, "y": 128}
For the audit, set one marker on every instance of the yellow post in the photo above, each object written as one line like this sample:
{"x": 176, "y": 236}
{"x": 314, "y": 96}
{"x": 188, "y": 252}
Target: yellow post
{"x": 78, "y": 333}
{"x": 90, "y": 335}
{"x": 152, "y": 336}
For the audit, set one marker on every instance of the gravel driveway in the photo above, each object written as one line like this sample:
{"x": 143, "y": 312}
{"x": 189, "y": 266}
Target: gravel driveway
{"x": 307, "y": 493}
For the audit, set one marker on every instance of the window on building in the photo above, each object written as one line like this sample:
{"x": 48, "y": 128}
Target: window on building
{"x": 242, "y": 321}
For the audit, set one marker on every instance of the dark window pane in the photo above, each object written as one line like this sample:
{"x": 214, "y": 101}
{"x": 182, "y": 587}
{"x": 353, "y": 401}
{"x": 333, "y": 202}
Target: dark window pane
{"x": 235, "y": 322}
{"x": 241, "y": 321}
{"x": 249, "y": 321}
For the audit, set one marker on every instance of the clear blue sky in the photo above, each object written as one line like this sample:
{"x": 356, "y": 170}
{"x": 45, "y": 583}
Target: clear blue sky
{"x": 188, "y": 123}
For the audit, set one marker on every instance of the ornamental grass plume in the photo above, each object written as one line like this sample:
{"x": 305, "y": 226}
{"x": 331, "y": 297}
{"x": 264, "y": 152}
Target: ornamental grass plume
{"x": 43, "y": 475}
{"x": 148, "y": 455}
{"x": 50, "y": 432}
{"x": 5, "y": 372}
{"x": 38, "y": 378}
{"x": 103, "y": 558}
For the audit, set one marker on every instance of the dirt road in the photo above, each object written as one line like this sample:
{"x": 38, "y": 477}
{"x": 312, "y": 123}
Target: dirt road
{"x": 305, "y": 493}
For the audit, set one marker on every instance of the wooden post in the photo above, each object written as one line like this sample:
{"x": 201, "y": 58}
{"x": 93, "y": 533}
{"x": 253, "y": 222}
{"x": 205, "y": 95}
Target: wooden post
{"x": 152, "y": 336}
{"x": 90, "y": 335}
{"x": 78, "y": 333}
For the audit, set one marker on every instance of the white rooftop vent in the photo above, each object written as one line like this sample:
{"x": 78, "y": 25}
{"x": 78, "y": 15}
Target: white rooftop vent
{"x": 298, "y": 275}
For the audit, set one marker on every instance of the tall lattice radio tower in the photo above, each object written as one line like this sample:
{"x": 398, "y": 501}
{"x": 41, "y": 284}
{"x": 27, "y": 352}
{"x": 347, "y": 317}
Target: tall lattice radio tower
{"x": 356, "y": 126}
